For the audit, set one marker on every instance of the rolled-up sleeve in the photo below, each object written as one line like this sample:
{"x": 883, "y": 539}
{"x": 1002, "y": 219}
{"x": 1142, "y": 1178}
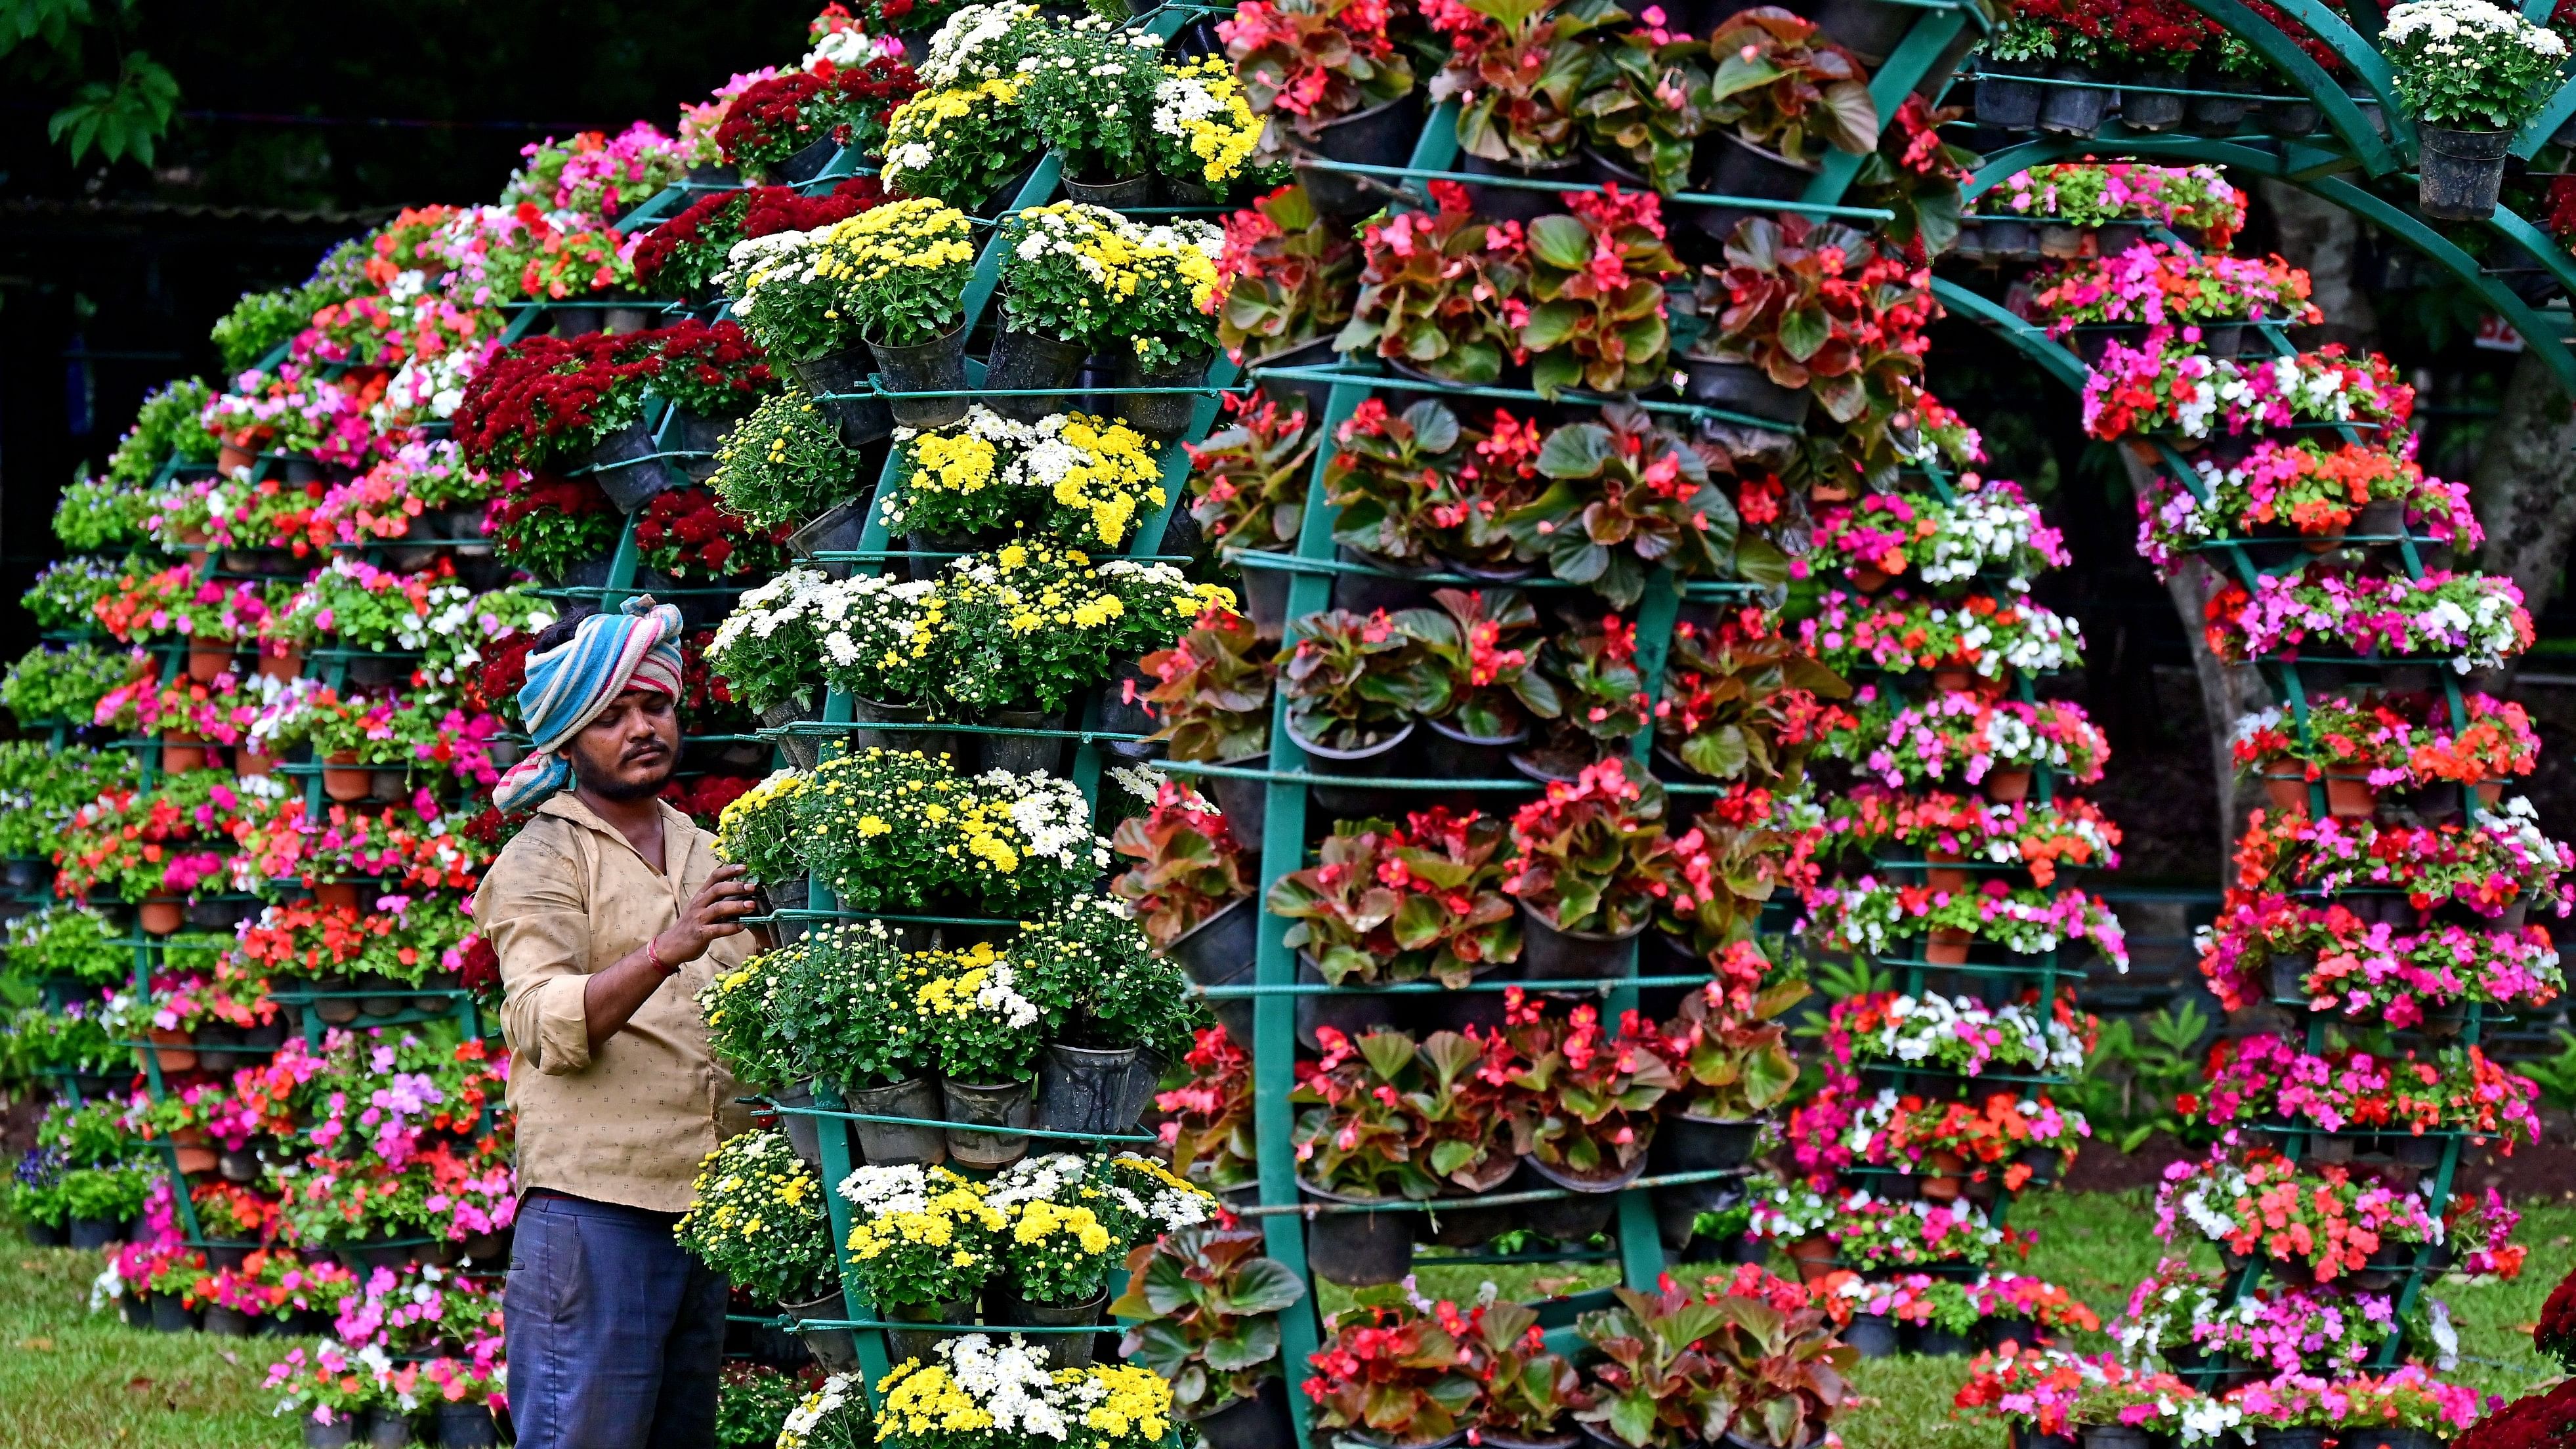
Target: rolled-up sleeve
{"x": 533, "y": 909}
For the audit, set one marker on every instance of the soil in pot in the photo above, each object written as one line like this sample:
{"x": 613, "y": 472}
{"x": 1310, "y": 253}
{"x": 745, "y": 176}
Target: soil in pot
{"x": 1357, "y": 1249}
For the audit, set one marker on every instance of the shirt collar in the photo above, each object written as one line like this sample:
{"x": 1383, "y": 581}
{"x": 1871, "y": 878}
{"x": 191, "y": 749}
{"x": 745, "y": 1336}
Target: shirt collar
{"x": 679, "y": 832}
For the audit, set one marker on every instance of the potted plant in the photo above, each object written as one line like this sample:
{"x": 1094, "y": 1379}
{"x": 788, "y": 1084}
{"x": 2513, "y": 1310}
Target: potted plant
{"x": 1655, "y": 1388}
{"x": 1644, "y": 107}
{"x": 1786, "y": 1362}
{"x": 1388, "y": 474}
{"x": 1732, "y": 1055}
{"x": 1205, "y": 133}
{"x": 1624, "y": 497}
{"x": 1054, "y": 1259}
{"x": 1743, "y": 705}
{"x": 1805, "y": 311}
{"x": 1530, "y": 1394}
{"x": 1596, "y": 287}
{"x": 1248, "y": 493}
{"x": 1089, "y": 94}
{"x": 1779, "y": 94}
{"x": 964, "y": 139}
{"x": 986, "y": 1037}
{"x": 1436, "y": 293}
{"x": 1112, "y": 610}
{"x": 1396, "y": 1376}
{"x": 1290, "y": 272}
{"x": 922, "y": 1246}
{"x": 1604, "y": 706}
{"x": 756, "y": 1216}
{"x": 1347, "y": 681}
{"x": 1335, "y": 75}
{"x": 1479, "y": 694}
{"x": 1166, "y": 319}
{"x": 1111, "y": 1008}
{"x": 1517, "y": 69}
{"x": 1357, "y": 1145}
{"x": 1389, "y": 904}
{"x": 1592, "y": 861}
{"x": 1188, "y": 884}
{"x": 2470, "y": 73}
{"x": 1581, "y": 1104}
{"x": 1212, "y": 694}
{"x": 1056, "y": 282}
{"x": 1203, "y": 1307}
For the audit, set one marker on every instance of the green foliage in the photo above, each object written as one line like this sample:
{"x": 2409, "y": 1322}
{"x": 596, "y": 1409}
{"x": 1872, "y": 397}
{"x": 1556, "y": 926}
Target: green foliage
{"x": 1100, "y": 984}
{"x": 756, "y": 1215}
{"x": 784, "y": 463}
{"x": 2470, "y": 64}
{"x": 1204, "y": 1305}
{"x": 119, "y": 119}
{"x": 2128, "y": 1088}
{"x": 62, "y": 684}
{"x": 41, "y": 786}
{"x": 258, "y": 323}
{"x": 752, "y": 1405}
{"x": 165, "y": 424}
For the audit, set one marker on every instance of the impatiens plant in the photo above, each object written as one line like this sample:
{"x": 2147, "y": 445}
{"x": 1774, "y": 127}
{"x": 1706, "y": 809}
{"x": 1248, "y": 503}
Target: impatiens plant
{"x": 1989, "y": 635}
{"x": 2466, "y": 621}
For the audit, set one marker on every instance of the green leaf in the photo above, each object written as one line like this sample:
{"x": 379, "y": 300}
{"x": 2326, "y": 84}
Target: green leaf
{"x": 1561, "y": 241}
{"x": 1578, "y": 451}
{"x": 1550, "y": 323}
{"x": 1435, "y": 428}
{"x": 1739, "y": 74}
{"x": 1803, "y": 330}
{"x": 1388, "y": 1052}
{"x": 1554, "y": 372}
{"x": 1264, "y": 1285}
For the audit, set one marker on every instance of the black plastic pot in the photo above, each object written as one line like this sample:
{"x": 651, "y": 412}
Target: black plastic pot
{"x": 1219, "y": 951}
{"x": 1264, "y": 595}
{"x": 1357, "y": 1249}
{"x": 1393, "y": 586}
{"x": 1998, "y": 1331}
{"x": 2004, "y": 99}
{"x": 1575, "y": 1218}
{"x": 2043, "y": 1163}
{"x": 2288, "y": 118}
{"x": 2073, "y": 110}
{"x": 885, "y": 1143}
{"x": 932, "y": 743}
{"x": 170, "y": 1314}
{"x": 974, "y": 1105}
{"x": 1354, "y": 1015}
{"x": 1549, "y": 953}
{"x": 804, "y": 1137}
{"x": 2153, "y": 110}
{"x": 1684, "y": 1143}
{"x": 1452, "y": 752}
{"x": 1125, "y": 194}
{"x": 1517, "y": 203}
{"x": 340, "y": 1433}
{"x": 1940, "y": 1342}
{"x": 806, "y": 164}
{"x": 1382, "y": 135}
{"x": 1740, "y": 168}
{"x": 1871, "y": 1336}
{"x": 836, "y": 1349}
{"x": 2461, "y": 172}
{"x": 225, "y": 1322}
{"x": 2008, "y": 237}
{"x": 1021, "y": 753}
{"x": 1257, "y": 1422}
{"x": 1160, "y": 416}
{"x": 1062, "y": 1350}
{"x": 1294, "y": 392}
{"x": 923, "y": 1344}
{"x": 627, "y": 468}
{"x": 1244, "y": 803}
{"x": 861, "y": 420}
{"x": 1744, "y": 388}
{"x": 1031, "y": 360}
{"x": 1470, "y": 1227}
{"x": 2116, "y": 1436}
{"x": 837, "y": 531}
{"x": 1869, "y": 29}
{"x": 2289, "y": 1439}
{"x": 42, "y": 1234}
{"x": 2214, "y": 114}
{"x": 1083, "y": 1089}
{"x": 2390, "y": 1438}
{"x": 1387, "y": 757}
{"x": 466, "y": 1426}
{"x": 938, "y": 365}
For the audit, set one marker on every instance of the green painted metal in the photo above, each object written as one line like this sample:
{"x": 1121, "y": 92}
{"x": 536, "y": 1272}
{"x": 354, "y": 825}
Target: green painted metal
{"x": 2559, "y": 111}
{"x": 2032, "y": 343}
{"x": 2378, "y": 157}
{"x": 1905, "y": 69}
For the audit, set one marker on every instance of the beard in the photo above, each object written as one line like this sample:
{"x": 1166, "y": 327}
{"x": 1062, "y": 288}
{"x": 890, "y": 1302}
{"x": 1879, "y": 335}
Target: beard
{"x": 631, "y": 787}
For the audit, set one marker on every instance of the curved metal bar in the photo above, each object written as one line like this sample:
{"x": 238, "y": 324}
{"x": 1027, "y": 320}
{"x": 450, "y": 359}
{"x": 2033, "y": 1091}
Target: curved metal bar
{"x": 1905, "y": 68}
{"x": 2396, "y": 221}
{"x": 2032, "y": 343}
{"x": 2561, "y": 109}
{"x": 2378, "y": 157}
{"x": 2545, "y": 249}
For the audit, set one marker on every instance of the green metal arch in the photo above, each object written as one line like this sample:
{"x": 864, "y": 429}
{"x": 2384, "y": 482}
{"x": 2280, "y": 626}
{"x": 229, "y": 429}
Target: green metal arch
{"x": 2376, "y": 156}
{"x": 2396, "y": 221}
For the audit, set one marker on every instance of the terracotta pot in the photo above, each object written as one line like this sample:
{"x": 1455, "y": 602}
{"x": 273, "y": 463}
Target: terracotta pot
{"x": 181, "y": 752}
{"x": 336, "y": 894}
{"x": 1954, "y": 678}
{"x": 232, "y": 458}
{"x": 1868, "y": 578}
{"x": 344, "y": 779}
{"x": 172, "y": 1049}
{"x": 1942, "y": 873}
{"x": 2490, "y": 794}
{"x": 2349, "y": 797}
{"x": 206, "y": 661}
{"x": 195, "y": 1161}
{"x": 1814, "y": 1257}
{"x": 286, "y": 665}
{"x": 1943, "y": 1183}
{"x": 2008, "y": 786}
{"x": 2286, "y": 792}
{"x": 1946, "y": 946}
{"x": 247, "y": 761}
{"x": 1828, "y": 493}
{"x": 162, "y": 915}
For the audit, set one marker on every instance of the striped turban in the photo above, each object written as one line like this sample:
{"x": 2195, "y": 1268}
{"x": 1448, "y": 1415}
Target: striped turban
{"x": 568, "y": 685}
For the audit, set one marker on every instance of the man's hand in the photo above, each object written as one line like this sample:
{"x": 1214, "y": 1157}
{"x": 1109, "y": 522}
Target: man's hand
{"x": 716, "y": 913}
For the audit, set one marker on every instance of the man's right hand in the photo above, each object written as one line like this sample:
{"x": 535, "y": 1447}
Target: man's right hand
{"x": 714, "y": 914}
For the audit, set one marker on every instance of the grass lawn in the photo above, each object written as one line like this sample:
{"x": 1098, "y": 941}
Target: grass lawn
{"x": 72, "y": 1380}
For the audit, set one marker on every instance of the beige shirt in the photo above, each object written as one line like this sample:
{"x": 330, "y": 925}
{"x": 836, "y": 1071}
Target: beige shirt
{"x": 630, "y": 1122}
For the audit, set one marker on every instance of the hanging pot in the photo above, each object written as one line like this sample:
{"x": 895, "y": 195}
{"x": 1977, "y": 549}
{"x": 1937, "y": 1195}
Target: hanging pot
{"x": 2043, "y": 1163}
{"x": 207, "y": 662}
{"x": 1260, "y": 1421}
{"x": 467, "y": 1426}
{"x": 1382, "y": 135}
{"x": 2214, "y": 113}
{"x": 1245, "y": 804}
{"x": 2461, "y": 172}
{"x": 2008, "y": 784}
{"x": 1869, "y": 29}
{"x": 1686, "y": 1143}
{"x": 1386, "y": 757}
{"x": 1062, "y": 1350}
{"x": 1577, "y": 1217}
{"x": 1934, "y": 1342}
{"x": 838, "y": 382}
{"x": 1523, "y": 204}
{"x": 1354, "y": 1014}
{"x": 1871, "y": 1336}
{"x": 1390, "y": 585}
{"x": 1744, "y": 388}
{"x": 938, "y": 365}
{"x": 628, "y": 467}
{"x": 1741, "y": 169}
{"x": 1219, "y": 951}
{"x": 804, "y": 1134}
{"x": 883, "y": 1144}
{"x": 1470, "y": 1227}
{"x": 170, "y": 1314}
{"x": 2291, "y": 119}
{"x": 1452, "y": 753}
{"x": 923, "y": 1343}
{"x": 1946, "y": 946}
{"x": 91, "y": 1234}
{"x": 2288, "y": 1439}
{"x": 2075, "y": 109}
{"x": 181, "y": 752}
{"x": 2005, "y": 98}
{"x": 344, "y": 779}
{"x": 161, "y": 915}
{"x": 836, "y": 1349}
{"x": 1024, "y": 360}
{"x": 1083, "y": 1089}
{"x": 1264, "y": 592}
{"x": 841, "y": 530}
{"x": 1021, "y": 754}
{"x": 1160, "y": 416}
{"x": 803, "y": 751}
{"x": 1357, "y": 1249}
{"x": 931, "y": 744}
{"x": 2153, "y": 109}
{"x": 1127, "y": 193}
{"x": 1552, "y": 953}
{"x": 804, "y": 164}
{"x": 2349, "y": 797}
{"x": 974, "y": 1106}
{"x": 2116, "y": 1436}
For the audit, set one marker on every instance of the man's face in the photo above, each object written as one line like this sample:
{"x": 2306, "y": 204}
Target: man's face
{"x": 631, "y": 749}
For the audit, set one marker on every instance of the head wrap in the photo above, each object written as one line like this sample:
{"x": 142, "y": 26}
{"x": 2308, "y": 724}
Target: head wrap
{"x": 568, "y": 685}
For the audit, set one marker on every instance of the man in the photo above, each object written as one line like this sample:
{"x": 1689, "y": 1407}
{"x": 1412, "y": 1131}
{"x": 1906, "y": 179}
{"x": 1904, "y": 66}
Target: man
{"x": 609, "y": 913}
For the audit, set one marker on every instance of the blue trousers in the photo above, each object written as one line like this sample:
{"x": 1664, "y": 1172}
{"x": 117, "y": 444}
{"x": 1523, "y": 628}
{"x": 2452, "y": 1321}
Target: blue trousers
{"x": 615, "y": 1335}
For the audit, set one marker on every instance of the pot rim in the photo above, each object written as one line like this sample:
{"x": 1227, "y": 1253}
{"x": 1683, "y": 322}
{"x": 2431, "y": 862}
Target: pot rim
{"x": 1369, "y": 753}
{"x": 1604, "y": 936}
{"x": 1599, "y": 1186}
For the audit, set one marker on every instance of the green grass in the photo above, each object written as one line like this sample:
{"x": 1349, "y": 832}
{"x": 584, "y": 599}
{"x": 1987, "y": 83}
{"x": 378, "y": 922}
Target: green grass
{"x": 78, "y": 1381}
{"x": 73, "y": 1380}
